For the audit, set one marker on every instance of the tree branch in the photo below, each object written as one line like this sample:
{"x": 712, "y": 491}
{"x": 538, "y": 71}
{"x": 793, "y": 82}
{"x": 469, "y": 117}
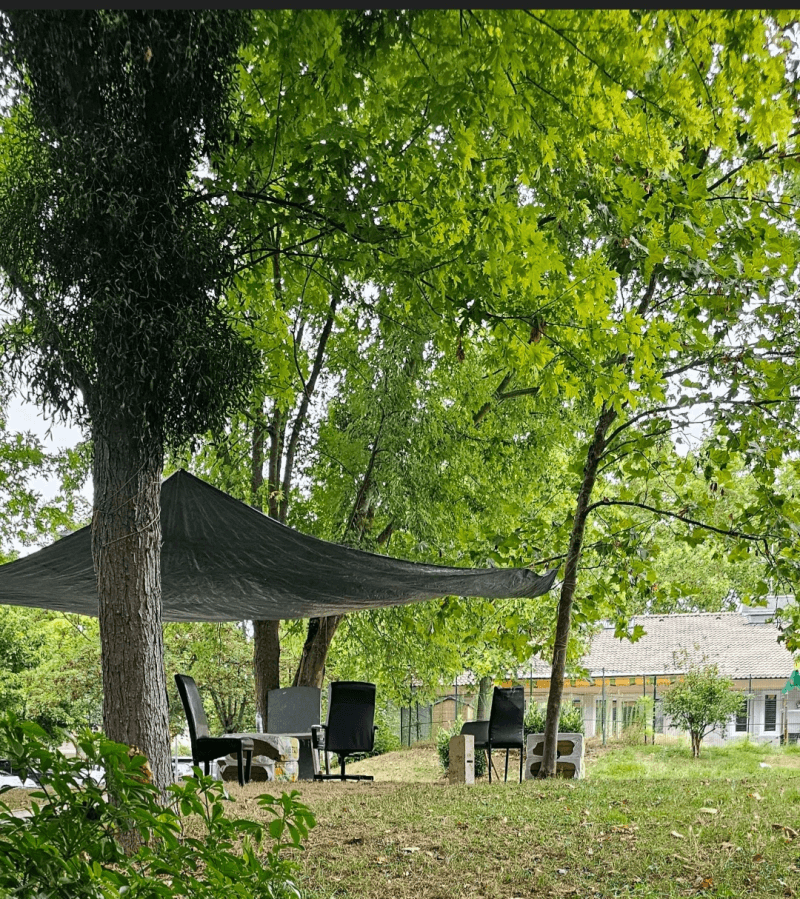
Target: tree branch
{"x": 478, "y": 417}
{"x": 725, "y": 532}
{"x": 308, "y": 390}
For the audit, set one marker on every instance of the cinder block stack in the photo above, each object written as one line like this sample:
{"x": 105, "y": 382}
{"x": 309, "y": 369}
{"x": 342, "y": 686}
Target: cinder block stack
{"x": 569, "y": 762}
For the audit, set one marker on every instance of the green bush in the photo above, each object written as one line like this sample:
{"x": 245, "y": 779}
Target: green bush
{"x": 386, "y": 740}
{"x": 570, "y": 720}
{"x": 71, "y": 847}
{"x": 639, "y": 727}
{"x": 443, "y": 748}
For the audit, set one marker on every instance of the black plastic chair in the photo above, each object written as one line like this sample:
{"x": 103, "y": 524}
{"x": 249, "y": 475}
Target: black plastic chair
{"x": 293, "y": 711}
{"x": 505, "y": 727}
{"x": 349, "y": 728}
{"x": 206, "y": 748}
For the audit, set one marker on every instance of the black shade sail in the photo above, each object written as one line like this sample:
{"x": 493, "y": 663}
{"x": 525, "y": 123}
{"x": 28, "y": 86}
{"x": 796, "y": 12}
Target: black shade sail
{"x": 222, "y": 560}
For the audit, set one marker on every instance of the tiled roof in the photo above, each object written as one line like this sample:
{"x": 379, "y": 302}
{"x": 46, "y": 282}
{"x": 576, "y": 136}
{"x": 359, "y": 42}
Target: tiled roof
{"x": 727, "y": 639}
{"x": 740, "y": 643}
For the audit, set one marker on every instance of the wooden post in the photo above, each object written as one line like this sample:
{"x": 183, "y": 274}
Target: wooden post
{"x": 785, "y": 721}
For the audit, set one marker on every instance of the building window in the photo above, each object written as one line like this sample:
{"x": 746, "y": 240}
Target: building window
{"x": 629, "y": 713}
{"x": 770, "y": 711}
{"x": 741, "y": 717}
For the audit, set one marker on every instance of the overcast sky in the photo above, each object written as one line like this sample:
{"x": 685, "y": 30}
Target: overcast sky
{"x": 23, "y": 416}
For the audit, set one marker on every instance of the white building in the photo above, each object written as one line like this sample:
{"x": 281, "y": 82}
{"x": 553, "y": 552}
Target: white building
{"x": 743, "y": 644}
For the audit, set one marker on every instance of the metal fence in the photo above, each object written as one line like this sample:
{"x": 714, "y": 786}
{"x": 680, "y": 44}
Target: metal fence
{"x": 608, "y": 717}
{"x": 612, "y": 718}
{"x": 416, "y": 722}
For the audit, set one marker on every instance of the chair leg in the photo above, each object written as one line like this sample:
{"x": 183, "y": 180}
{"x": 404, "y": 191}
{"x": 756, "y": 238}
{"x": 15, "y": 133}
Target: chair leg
{"x": 490, "y": 763}
{"x": 248, "y": 766}
{"x": 207, "y": 767}
{"x": 505, "y": 780}
{"x": 240, "y": 768}
{"x": 341, "y": 766}
{"x": 521, "y": 761}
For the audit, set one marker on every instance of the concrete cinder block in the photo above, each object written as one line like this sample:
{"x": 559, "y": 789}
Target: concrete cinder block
{"x": 461, "y": 769}
{"x": 569, "y": 761}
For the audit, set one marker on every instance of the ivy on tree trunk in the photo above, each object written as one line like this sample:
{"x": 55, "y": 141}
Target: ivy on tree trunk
{"x": 117, "y": 273}
{"x": 311, "y": 668}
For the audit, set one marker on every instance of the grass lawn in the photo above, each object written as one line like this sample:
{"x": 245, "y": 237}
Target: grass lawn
{"x": 646, "y": 822}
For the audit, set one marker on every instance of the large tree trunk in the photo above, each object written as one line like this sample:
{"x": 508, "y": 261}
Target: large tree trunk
{"x": 266, "y": 662}
{"x": 126, "y": 548}
{"x": 549, "y": 753}
{"x": 484, "y": 699}
{"x": 311, "y": 668}
{"x": 266, "y": 639}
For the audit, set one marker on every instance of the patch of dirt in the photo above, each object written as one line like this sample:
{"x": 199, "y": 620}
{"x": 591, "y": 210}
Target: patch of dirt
{"x": 417, "y": 764}
{"x": 784, "y": 760}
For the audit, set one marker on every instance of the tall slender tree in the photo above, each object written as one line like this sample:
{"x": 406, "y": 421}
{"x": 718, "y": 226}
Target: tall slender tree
{"x": 602, "y": 196}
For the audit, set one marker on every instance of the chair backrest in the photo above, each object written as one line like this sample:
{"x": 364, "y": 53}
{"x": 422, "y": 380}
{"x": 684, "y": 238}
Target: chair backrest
{"x": 292, "y": 710}
{"x": 193, "y": 706}
{"x": 351, "y": 716}
{"x": 506, "y": 719}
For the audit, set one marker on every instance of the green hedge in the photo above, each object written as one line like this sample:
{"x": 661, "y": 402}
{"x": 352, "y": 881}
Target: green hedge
{"x": 386, "y": 740}
{"x": 570, "y": 721}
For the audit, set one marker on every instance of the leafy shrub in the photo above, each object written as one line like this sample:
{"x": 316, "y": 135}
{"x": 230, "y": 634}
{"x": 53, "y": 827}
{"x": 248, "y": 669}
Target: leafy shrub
{"x": 443, "y": 748}
{"x": 640, "y": 725}
{"x": 386, "y": 740}
{"x": 570, "y": 719}
{"x": 72, "y": 845}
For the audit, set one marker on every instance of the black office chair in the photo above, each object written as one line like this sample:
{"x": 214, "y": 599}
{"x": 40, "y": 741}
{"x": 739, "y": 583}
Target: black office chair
{"x": 206, "y": 748}
{"x": 349, "y": 728}
{"x": 505, "y": 727}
